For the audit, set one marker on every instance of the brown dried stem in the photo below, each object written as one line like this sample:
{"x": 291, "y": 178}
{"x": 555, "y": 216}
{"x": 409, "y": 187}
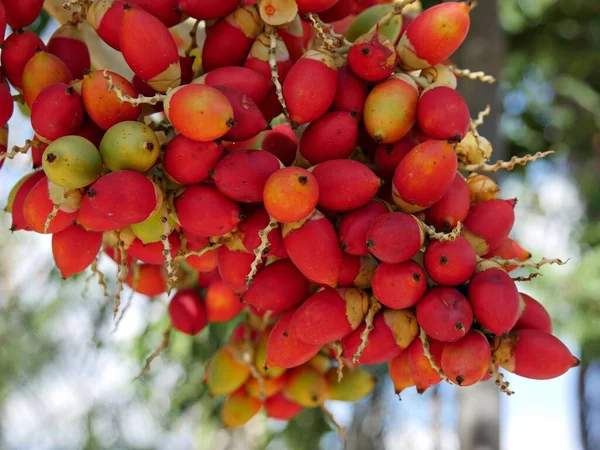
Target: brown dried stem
{"x": 124, "y": 98}
{"x": 274, "y": 70}
{"x": 528, "y": 263}
{"x": 258, "y": 251}
{"x": 398, "y": 8}
{"x": 29, "y": 143}
{"x": 506, "y": 165}
{"x": 338, "y": 357}
{"x": 429, "y": 356}
{"x": 499, "y": 380}
{"x": 466, "y": 73}
{"x": 443, "y": 237}
{"x": 374, "y": 307}
{"x": 164, "y": 344}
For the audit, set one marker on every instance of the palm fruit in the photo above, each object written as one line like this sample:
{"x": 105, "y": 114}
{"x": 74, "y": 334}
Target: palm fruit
{"x": 238, "y": 408}
{"x": 280, "y": 407}
{"x": 442, "y": 113}
{"x": 147, "y": 279}
{"x": 354, "y": 225}
{"x": 67, "y": 43}
{"x": 226, "y": 372}
{"x": 186, "y": 161}
{"x": 372, "y": 56}
{"x": 291, "y": 194}
{"x": 399, "y": 371}
{"x": 72, "y": 162}
{"x": 424, "y": 376}
{"x": 285, "y": 350}
{"x": 466, "y": 361}
{"x": 453, "y": 207}
{"x": 381, "y": 346}
{"x": 356, "y": 384}
{"x": 17, "y": 50}
{"x": 533, "y": 315}
{"x": 395, "y": 237}
{"x": 129, "y": 146}
{"x": 450, "y": 263}
{"x": 399, "y": 286}
{"x": 187, "y": 312}
{"x": 42, "y": 70}
{"x": 331, "y": 137}
{"x": 74, "y": 249}
{"x": 306, "y": 386}
{"x": 38, "y": 206}
{"x": 221, "y": 302}
{"x": 488, "y": 224}
{"x": 357, "y": 271}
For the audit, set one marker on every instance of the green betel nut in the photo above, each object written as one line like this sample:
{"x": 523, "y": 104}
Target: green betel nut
{"x": 72, "y": 162}
{"x": 129, "y": 146}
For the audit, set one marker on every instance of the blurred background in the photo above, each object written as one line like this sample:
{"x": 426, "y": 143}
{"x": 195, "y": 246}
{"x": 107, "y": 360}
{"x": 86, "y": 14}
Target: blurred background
{"x": 66, "y": 373}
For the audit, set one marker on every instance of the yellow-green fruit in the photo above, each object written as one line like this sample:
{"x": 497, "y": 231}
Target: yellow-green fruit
{"x": 129, "y": 146}
{"x": 72, "y": 162}
{"x": 306, "y": 386}
{"x": 13, "y": 192}
{"x": 369, "y": 17}
{"x": 356, "y": 384}
{"x": 260, "y": 357}
{"x": 226, "y": 373}
{"x": 238, "y": 408}
{"x": 151, "y": 229}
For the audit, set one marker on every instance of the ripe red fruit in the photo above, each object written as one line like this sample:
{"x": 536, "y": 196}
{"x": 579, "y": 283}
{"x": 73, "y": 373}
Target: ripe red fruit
{"x": 534, "y": 354}
{"x": 353, "y": 227}
{"x": 339, "y": 11}
{"x": 314, "y": 6}
{"x": 102, "y": 105}
{"x": 42, "y": 70}
{"x": 142, "y": 34}
{"x": 242, "y": 174}
{"x": 329, "y": 315}
{"x": 123, "y": 196}
{"x": 357, "y": 271}
{"x": 234, "y": 266}
{"x": 395, "y": 237}
{"x": 95, "y": 220}
{"x": 204, "y": 211}
{"x": 533, "y": 316}
{"x": 2, "y": 23}
{"x": 434, "y": 35}
{"x": 423, "y": 375}
{"x": 372, "y": 56}
{"x": 74, "y": 249}
{"x": 451, "y": 262}
{"x": 106, "y": 18}
{"x": 391, "y": 109}
{"x": 56, "y": 112}
{"x": 399, "y": 370}
{"x": 333, "y": 136}
{"x": 509, "y": 249}
{"x": 18, "y": 48}
{"x": 424, "y": 175}
{"x": 351, "y": 93}
{"x": 453, "y": 207}
{"x": 37, "y": 206}
{"x": 445, "y": 314}
{"x": 187, "y": 161}
{"x": 295, "y": 35}
{"x": 291, "y": 194}
{"x": 399, "y": 286}
{"x": 345, "y": 184}
{"x": 488, "y": 224}
{"x": 221, "y": 302}
{"x": 208, "y": 9}
{"x": 167, "y": 11}
{"x": 495, "y": 300}
{"x": 230, "y": 39}
{"x": 187, "y": 312}
{"x": 388, "y": 156}
{"x": 22, "y": 13}
{"x": 309, "y": 88}
{"x": 442, "y": 113}
{"x": 204, "y": 279}
{"x": 284, "y": 350}
{"x": 315, "y": 251}
{"x": 147, "y": 279}
{"x": 67, "y": 43}
{"x": 381, "y": 347}
{"x": 258, "y": 59}
{"x": 466, "y": 361}
{"x": 279, "y": 407}
{"x": 278, "y": 287}
{"x": 6, "y": 106}
{"x": 257, "y": 220}
{"x": 249, "y": 120}
{"x": 250, "y": 82}
{"x": 281, "y": 142}
{"x": 153, "y": 253}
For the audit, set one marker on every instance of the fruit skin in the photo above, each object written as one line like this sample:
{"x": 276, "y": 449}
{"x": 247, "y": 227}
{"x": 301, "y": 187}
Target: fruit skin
{"x": 509, "y": 249}
{"x": 22, "y": 13}
{"x": 450, "y": 263}
{"x": 329, "y": 315}
{"x": 399, "y": 371}
{"x": 123, "y": 196}
{"x": 391, "y": 109}
{"x": 187, "y": 312}
{"x": 102, "y": 105}
{"x": 423, "y": 375}
{"x": 394, "y": 237}
{"x": 345, "y": 184}
{"x": 67, "y": 43}
{"x": 153, "y": 253}
{"x": 72, "y": 162}
{"x": 445, "y": 314}
{"x": 351, "y": 93}
{"x": 199, "y": 112}
{"x": 249, "y": 120}
{"x": 151, "y": 229}
{"x": 399, "y": 286}
{"x": 242, "y": 174}
{"x": 388, "y": 156}
{"x": 353, "y": 228}
{"x": 260, "y": 356}
{"x": 141, "y": 35}
{"x": 495, "y": 300}
{"x": 314, "y": 250}
{"x": 310, "y": 86}
{"x": 279, "y": 287}
{"x": 74, "y": 249}
{"x": 357, "y": 271}
{"x": 306, "y": 386}
{"x": 488, "y": 224}
{"x": 280, "y": 407}
{"x": 255, "y": 222}
{"x": 234, "y": 267}
{"x": 208, "y": 9}
{"x": 331, "y": 137}
{"x": 442, "y": 113}
{"x": 434, "y": 35}
{"x": 533, "y": 316}
{"x": 250, "y": 82}
{"x": 466, "y": 361}
{"x": 38, "y": 206}
{"x": 204, "y": 211}
{"x": 17, "y": 197}
{"x": 238, "y": 408}
{"x": 291, "y": 194}
{"x": 189, "y": 162}
{"x": 372, "y": 57}
{"x": 6, "y": 110}
{"x": 424, "y": 176}
{"x": 453, "y": 207}
{"x": 272, "y": 386}
{"x": 226, "y": 372}
{"x": 42, "y": 70}
{"x": 314, "y": 6}
{"x": 129, "y": 146}
{"x": 534, "y": 354}
{"x": 356, "y": 384}
{"x": 221, "y": 302}
{"x": 18, "y": 48}
{"x": 94, "y": 220}
{"x": 151, "y": 279}
{"x": 482, "y": 188}
{"x": 284, "y": 350}
{"x": 167, "y": 11}
{"x": 381, "y": 347}
{"x": 282, "y": 142}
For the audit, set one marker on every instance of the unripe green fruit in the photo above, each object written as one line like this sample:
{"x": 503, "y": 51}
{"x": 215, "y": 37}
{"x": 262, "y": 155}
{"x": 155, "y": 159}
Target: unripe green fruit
{"x": 129, "y": 146}
{"x": 72, "y": 162}
{"x": 369, "y": 17}
{"x": 151, "y": 229}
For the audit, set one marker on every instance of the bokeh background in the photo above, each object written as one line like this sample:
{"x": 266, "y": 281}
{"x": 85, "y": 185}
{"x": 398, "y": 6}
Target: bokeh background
{"x": 66, "y": 373}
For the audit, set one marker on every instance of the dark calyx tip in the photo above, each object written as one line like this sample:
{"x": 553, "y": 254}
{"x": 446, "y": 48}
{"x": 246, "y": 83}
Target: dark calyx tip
{"x": 455, "y": 139}
{"x": 459, "y": 326}
{"x": 370, "y": 243}
{"x": 365, "y": 50}
{"x": 443, "y": 260}
{"x": 70, "y": 90}
{"x": 459, "y": 380}
{"x": 303, "y": 179}
{"x": 242, "y": 216}
{"x": 416, "y": 276}
{"x": 91, "y": 193}
{"x": 230, "y": 123}
{"x": 50, "y": 157}
{"x": 149, "y": 146}
{"x": 126, "y": 6}
{"x": 285, "y": 334}
{"x": 39, "y": 49}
